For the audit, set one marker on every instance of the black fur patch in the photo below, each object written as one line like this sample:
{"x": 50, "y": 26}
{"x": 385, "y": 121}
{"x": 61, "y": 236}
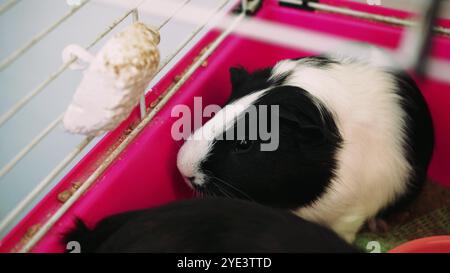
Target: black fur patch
{"x": 90, "y": 240}
{"x": 208, "y": 226}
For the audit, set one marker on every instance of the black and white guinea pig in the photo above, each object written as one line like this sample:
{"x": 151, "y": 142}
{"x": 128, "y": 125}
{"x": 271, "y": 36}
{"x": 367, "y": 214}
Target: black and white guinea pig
{"x": 355, "y": 140}
{"x": 205, "y": 226}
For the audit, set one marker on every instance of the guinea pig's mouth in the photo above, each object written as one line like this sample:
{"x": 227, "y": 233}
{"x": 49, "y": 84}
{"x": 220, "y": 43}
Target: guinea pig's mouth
{"x": 200, "y": 189}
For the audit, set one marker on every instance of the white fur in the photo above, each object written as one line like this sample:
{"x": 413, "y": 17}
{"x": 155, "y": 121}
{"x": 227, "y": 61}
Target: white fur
{"x": 198, "y": 145}
{"x": 372, "y": 169}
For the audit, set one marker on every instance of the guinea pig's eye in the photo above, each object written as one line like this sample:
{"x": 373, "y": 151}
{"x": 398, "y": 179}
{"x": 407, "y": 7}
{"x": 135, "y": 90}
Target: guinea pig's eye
{"x": 243, "y": 145}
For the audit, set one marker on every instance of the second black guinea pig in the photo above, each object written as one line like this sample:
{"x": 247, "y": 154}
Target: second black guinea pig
{"x": 215, "y": 225}
{"x": 351, "y": 141}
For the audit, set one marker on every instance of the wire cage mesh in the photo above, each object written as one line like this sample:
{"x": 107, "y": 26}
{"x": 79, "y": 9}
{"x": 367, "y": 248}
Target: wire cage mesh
{"x": 38, "y": 157}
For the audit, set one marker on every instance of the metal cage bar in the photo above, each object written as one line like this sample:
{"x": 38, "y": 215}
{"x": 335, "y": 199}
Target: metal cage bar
{"x": 25, "y": 150}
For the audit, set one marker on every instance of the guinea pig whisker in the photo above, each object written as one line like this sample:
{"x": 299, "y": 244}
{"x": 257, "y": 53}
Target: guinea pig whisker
{"x": 212, "y": 193}
{"x": 199, "y": 194}
{"x": 205, "y": 192}
{"x": 226, "y": 192}
{"x": 230, "y": 192}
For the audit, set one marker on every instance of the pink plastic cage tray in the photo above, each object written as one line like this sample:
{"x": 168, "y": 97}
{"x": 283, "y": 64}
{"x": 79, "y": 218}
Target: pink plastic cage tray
{"x": 145, "y": 174}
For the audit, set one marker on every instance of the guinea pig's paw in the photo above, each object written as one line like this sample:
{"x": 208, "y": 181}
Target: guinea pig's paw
{"x": 377, "y": 225}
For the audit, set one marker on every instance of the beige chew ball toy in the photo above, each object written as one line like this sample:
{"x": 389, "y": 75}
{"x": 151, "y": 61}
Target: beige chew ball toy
{"x": 114, "y": 81}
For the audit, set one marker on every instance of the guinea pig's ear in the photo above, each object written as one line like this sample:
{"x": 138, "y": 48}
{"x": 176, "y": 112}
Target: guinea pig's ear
{"x": 238, "y": 76}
